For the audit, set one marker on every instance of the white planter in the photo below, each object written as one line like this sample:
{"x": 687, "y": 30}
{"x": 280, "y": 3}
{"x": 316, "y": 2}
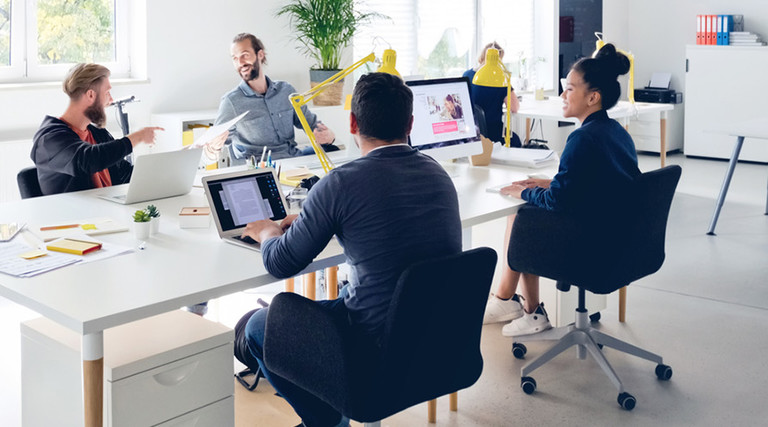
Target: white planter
{"x": 154, "y": 226}
{"x": 141, "y": 230}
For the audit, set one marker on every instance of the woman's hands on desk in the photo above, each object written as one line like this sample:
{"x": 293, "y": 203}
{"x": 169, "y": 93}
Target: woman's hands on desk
{"x": 266, "y": 229}
{"x": 517, "y": 187}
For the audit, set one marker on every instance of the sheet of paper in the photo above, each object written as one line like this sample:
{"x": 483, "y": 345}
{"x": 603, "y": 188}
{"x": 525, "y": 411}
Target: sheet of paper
{"x": 215, "y": 131}
{"x": 12, "y": 263}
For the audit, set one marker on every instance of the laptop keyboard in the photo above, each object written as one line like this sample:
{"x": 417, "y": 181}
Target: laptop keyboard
{"x": 246, "y": 239}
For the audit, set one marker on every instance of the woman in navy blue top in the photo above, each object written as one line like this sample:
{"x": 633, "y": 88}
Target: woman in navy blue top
{"x": 597, "y": 167}
{"x": 491, "y": 99}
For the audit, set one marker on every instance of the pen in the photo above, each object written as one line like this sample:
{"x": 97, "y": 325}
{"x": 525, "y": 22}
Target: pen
{"x": 263, "y": 153}
{"x": 59, "y": 227}
{"x": 269, "y": 158}
{"x": 278, "y": 172}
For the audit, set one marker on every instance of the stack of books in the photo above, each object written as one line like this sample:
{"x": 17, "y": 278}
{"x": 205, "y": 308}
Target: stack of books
{"x": 745, "y": 38}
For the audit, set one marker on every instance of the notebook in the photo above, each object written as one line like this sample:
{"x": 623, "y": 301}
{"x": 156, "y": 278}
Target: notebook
{"x": 237, "y": 198}
{"x": 159, "y": 175}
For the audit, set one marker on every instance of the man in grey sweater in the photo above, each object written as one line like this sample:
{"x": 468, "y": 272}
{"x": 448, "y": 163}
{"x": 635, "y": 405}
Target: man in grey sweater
{"x": 389, "y": 209}
{"x": 271, "y": 119}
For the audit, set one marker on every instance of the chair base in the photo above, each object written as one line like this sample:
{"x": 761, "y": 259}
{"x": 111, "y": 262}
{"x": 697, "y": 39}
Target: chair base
{"x": 587, "y": 340}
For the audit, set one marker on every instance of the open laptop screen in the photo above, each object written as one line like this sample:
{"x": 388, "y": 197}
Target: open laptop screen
{"x": 241, "y": 199}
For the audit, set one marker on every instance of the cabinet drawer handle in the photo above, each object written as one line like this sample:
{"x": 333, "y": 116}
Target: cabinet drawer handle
{"x": 175, "y": 375}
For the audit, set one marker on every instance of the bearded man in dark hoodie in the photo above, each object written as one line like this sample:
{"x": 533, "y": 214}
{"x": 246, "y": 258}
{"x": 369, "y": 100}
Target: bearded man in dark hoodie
{"x": 74, "y": 152}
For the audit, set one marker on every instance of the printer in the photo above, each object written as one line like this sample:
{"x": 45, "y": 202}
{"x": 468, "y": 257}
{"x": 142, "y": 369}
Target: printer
{"x": 658, "y": 91}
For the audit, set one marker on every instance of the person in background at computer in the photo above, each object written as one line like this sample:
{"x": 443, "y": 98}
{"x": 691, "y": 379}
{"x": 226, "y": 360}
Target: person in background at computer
{"x": 593, "y": 183}
{"x": 74, "y": 152}
{"x": 380, "y": 216}
{"x": 271, "y": 118}
{"x": 491, "y": 99}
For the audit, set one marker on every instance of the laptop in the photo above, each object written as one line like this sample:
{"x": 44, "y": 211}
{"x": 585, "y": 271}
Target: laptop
{"x": 159, "y": 175}
{"x": 237, "y": 198}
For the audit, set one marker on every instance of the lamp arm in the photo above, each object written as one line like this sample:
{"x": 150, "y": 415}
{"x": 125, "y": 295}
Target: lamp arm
{"x": 299, "y": 100}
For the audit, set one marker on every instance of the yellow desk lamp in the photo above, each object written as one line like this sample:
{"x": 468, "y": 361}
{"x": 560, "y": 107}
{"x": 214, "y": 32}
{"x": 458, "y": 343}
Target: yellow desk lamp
{"x": 299, "y": 100}
{"x": 494, "y": 74}
{"x": 631, "y": 83}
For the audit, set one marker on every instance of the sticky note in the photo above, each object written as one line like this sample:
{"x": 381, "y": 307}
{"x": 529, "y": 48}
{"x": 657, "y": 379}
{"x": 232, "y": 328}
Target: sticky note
{"x": 88, "y": 226}
{"x": 348, "y": 102}
{"x": 37, "y": 253}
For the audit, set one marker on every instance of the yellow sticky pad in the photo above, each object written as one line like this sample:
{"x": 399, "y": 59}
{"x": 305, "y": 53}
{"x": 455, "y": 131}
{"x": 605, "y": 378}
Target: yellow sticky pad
{"x": 33, "y": 254}
{"x": 88, "y": 226}
{"x": 348, "y": 102}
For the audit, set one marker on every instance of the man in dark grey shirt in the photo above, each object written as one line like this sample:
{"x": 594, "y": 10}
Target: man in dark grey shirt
{"x": 389, "y": 209}
{"x": 271, "y": 119}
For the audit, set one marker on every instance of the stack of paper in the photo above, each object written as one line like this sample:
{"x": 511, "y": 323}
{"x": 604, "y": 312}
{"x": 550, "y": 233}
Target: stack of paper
{"x": 523, "y": 157}
{"x": 745, "y": 38}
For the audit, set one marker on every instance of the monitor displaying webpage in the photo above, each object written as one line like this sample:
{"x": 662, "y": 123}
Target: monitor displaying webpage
{"x": 442, "y": 113}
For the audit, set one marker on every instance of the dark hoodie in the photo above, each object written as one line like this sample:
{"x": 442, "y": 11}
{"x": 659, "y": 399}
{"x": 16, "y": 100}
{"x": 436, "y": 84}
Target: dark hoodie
{"x": 65, "y": 163}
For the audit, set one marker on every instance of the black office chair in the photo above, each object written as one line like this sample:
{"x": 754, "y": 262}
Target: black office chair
{"x": 29, "y": 186}
{"x": 559, "y": 247}
{"x": 431, "y": 342}
{"x": 479, "y": 114}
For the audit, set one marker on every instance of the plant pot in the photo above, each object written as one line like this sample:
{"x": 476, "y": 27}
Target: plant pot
{"x": 154, "y": 226}
{"x": 332, "y": 94}
{"x": 141, "y": 230}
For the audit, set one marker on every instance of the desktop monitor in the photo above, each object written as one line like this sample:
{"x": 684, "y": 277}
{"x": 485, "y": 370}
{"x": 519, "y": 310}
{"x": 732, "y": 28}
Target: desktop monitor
{"x": 443, "y": 122}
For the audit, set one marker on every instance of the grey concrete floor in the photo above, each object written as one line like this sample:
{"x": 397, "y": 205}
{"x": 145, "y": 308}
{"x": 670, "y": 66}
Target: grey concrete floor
{"x": 705, "y": 312}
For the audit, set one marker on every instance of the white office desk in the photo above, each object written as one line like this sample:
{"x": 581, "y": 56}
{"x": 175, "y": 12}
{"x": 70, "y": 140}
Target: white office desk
{"x": 179, "y": 267}
{"x": 623, "y": 111}
{"x": 757, "y": 128}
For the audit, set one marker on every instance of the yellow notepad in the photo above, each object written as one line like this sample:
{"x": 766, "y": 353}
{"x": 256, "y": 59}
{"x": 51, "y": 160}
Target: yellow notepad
{"x": 73, "y": 246}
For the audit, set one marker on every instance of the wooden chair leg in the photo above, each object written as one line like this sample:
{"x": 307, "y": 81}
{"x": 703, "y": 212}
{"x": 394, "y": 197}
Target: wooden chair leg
{"x": 332, "y": 282}
{"x": 454, "y": 401}
{"x": 622, "y": 304}
{"x": 309, "y": 285}
{"x": 432, "y": 411}
{"x": 289, "y": 285}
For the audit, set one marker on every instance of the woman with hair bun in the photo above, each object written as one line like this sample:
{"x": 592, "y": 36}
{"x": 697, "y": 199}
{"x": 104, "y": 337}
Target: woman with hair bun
{"x": 593, "y": 184}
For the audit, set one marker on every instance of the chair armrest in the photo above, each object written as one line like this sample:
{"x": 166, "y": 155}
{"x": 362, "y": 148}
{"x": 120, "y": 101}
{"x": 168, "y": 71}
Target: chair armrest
{"x": 305, "y": 344}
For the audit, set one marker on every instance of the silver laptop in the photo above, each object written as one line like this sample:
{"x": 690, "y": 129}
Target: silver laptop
{"x": 237, "y": 198}
{"x": 159, "y": 175}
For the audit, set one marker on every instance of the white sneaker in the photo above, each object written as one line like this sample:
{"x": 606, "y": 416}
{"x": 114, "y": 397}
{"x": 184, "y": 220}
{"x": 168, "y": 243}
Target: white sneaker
{"x": 502, "y": 310}
{"x": 530, "y": 323}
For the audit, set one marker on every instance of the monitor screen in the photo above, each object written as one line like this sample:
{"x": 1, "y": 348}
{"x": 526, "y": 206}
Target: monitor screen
{"x": 443, "y": 123}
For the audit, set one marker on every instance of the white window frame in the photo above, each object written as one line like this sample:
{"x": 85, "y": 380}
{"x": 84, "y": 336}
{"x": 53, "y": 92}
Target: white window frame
{"x": 25, "y": 67}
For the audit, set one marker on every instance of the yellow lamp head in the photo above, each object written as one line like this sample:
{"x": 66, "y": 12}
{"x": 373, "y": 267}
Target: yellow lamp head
{"x": 388, "y": 63}
{"x": 492, "y": 73}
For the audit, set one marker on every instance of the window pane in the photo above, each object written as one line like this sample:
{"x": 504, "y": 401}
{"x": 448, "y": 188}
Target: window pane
{"x": 510, "y": 23}
{"x": 445, "y": 35}
{"x": 5, "y": 33}
{"x": 71, "y": 31}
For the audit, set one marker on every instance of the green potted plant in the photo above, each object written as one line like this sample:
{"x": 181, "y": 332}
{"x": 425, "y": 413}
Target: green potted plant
{"x": 141, "y": 224}
{"x": 154, "y": 222}
{"x": 324, "y": 28}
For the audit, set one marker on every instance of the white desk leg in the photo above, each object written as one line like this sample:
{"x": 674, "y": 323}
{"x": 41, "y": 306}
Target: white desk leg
{"x": 726, "y": 183}
{"x": 466, "y": 238}
{"x": 663, "y": 139}
{"x": 93, "y": 378}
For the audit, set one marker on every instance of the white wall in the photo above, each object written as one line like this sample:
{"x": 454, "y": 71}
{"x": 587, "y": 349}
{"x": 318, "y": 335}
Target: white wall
{"x": 657, "y": 31}
{"x": 188, "y": 63}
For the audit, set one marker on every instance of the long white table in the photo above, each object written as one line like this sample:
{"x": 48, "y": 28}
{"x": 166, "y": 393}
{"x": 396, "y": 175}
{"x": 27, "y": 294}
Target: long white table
{"x": 178, "y": 267}
{"x": 552, "y": 109}
{"x": 757, "y": 129}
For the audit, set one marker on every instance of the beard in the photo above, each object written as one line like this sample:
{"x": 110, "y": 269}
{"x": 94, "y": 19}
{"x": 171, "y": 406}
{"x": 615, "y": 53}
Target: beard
{"x": 254, "y": 73}
{"x": 96, "y": 113}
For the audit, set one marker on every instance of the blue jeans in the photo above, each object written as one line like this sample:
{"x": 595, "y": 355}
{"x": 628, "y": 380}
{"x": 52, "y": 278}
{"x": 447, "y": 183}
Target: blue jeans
{"x": 312, "y": 410}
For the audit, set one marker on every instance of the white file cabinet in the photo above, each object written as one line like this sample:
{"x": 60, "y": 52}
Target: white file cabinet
{"x": 174, "y": 369}
{"x": 646, "y": 130}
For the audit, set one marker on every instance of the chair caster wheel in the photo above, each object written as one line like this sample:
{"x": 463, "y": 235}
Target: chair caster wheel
{"x": 519, "y": 350}
{"x": 627, "y": 401}
{"x": 594, "y": 317}
{"x": 663, "y": 372}
{"x": 528, "y": 384}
